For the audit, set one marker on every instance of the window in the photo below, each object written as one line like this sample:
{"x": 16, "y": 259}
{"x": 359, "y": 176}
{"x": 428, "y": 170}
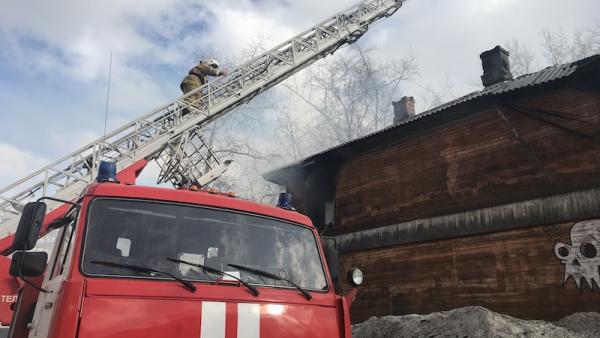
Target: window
{"x": 65, "y": 237}
{"x": 147, "y": 233}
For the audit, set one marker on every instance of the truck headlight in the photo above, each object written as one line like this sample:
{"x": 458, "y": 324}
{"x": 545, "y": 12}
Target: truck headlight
{"x": 355, "y": 277}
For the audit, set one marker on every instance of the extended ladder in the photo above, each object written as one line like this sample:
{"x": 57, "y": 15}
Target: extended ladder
{"x": 189, "y": 160}
{"x": 148, "y": 136}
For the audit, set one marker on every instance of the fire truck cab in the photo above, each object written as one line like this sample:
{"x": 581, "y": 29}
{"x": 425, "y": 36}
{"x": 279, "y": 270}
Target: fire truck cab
{"x": 132, "y": 261}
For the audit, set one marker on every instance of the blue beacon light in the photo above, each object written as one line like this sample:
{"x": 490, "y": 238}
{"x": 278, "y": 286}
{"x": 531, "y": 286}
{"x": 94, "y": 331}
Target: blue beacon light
{"x": 285, "y": 200}
{"x": 107, "y": 172}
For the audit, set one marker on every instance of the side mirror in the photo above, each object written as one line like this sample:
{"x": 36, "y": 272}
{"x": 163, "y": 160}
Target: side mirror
{"x": 28, "y": 264}
{"x": 332, "y": 256}
{"x": 30, "y": 223}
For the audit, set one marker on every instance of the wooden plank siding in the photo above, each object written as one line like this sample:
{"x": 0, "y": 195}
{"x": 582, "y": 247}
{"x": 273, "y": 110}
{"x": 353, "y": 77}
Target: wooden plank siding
{"x": 453, "y": 209}
{"x": 472, "y": 163}
{"x": 513, "y": 272}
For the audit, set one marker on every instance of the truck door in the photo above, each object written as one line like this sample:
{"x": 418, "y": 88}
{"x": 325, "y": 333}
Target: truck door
{"x": 53, "y": 282}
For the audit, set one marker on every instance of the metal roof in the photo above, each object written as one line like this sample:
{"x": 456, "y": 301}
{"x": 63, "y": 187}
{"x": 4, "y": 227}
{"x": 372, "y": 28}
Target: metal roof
{"x": 541, "y": 77}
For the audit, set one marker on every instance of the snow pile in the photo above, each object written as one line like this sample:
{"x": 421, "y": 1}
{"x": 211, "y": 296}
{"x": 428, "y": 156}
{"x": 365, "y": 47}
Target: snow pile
{"x": 587, "y": 324}
{"x": 474, "y": 322}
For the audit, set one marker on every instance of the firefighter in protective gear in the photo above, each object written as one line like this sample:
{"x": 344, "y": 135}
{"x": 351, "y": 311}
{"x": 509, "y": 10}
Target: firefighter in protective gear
{"x": 198, "y": 76}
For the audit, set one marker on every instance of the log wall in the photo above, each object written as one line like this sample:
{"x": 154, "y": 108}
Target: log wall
{"x": 474, "y": 162}
{"x": 513, "y": 272}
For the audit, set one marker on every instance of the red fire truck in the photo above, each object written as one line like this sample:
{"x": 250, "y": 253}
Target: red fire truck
{"x": 132, "y": 261}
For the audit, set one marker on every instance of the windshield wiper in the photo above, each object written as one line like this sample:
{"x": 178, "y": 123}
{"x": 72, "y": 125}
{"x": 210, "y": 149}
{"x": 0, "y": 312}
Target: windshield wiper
{"x": 188, "y": 285}
{"x": 205, "y": 268}
{"x": 272, "y": 276}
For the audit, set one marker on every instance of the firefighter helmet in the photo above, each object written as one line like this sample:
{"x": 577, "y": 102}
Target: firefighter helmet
{"x": 212, "y": 63}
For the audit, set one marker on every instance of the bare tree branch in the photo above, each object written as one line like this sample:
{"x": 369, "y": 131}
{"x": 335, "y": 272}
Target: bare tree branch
{"x": 556, "y": 46}
{"x": 521, "y": 58}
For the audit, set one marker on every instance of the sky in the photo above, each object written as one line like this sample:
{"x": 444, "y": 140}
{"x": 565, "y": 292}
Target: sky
{"x": 54, "y": 55}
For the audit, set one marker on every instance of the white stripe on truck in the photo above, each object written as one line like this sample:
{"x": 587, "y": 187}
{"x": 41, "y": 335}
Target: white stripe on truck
{"x": 212, "y": 323}
{"x": 248, "y": 321}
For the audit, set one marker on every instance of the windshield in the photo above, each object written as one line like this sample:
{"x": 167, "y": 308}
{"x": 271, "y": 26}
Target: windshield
{"x": 147, "y": 233}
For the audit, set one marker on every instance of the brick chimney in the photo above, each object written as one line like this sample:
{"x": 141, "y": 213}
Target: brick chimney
{"x": 404, "y": 109}
{"x": 496, "y": 66}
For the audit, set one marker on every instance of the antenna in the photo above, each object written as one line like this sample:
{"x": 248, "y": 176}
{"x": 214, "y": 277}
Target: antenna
{"x": 107, "y": 96}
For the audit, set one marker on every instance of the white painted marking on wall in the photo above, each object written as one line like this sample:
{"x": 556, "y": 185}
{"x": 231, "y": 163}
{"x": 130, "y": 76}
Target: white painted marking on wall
{"x": 213, "y": 320}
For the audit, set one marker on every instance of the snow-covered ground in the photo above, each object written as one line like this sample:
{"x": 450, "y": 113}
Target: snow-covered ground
{"x": 475, "y": 322}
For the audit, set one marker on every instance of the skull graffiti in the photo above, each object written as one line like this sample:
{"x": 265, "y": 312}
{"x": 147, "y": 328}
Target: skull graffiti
{"x": 582, "y": 258}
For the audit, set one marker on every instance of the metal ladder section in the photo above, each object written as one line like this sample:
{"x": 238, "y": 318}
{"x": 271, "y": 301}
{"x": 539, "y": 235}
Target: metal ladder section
{"x": 190, "y": 160}
{"x": 147, "y": 136}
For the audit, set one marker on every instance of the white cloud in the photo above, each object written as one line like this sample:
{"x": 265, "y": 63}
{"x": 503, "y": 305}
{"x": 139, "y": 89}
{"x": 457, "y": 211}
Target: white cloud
{"x": 17, "y": 163}
{"x": 228, "y": 37}
{"x": 72, "y": 140}
{"x": 76, "y": 36}
{"x": 487, "y": 7}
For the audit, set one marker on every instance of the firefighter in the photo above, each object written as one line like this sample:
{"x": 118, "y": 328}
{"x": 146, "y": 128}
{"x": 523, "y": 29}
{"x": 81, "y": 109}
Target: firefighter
{"x": 198, "y": 76}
